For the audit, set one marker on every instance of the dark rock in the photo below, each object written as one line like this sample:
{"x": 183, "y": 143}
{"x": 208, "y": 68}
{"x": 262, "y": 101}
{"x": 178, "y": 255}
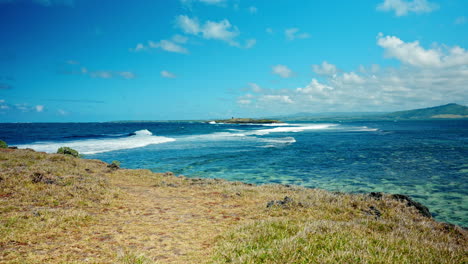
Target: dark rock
{"x": 38, "y": 177}
{"x": 373, "y": 211}
{"x": 172, "y": 185}
{"x": 423, "y": 210}
{"x": 283, "y": 203}
{"x": 168, "y": 174}
{"x": 375, "y": 195}
{"x": 13, "y": 147}
{"x": 113, "y": 166}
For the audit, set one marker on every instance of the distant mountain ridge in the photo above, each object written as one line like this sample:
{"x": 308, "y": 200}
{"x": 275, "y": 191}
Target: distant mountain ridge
{"x": 448, "y": 111}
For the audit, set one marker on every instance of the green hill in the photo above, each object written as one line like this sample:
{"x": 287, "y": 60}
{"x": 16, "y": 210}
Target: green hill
{"x": 437, "y": 112}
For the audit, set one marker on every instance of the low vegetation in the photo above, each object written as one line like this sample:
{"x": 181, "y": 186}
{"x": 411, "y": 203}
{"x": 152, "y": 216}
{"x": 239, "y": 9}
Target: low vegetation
{"x": 61, "y": 209}
{"x": 68, "y": 151}
{"x": 3, "y": 144}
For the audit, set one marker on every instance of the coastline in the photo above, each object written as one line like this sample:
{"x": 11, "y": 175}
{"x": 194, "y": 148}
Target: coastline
{"x": 58, "y": 208}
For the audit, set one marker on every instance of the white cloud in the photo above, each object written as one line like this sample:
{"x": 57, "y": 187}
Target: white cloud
{"x": 208, "y": 2}
{"x": 413, "y": 54}
{"x": 325, "y": 69}
{"x": 222, "y": 30}
{"x": 276, "y": 98}
{"x": 2, "y": 101}
{"x": 269, "y": 30}
{"x": 101, "y": 74}
{"x": 139, "y": 47}
{"x": 293, "y": 33}
{"x": 127, "y": 75}
{"x": 244, "y": 101}
{"x": 403, "y": 7}
{"x": 282, "y": 71}
{"x": 255, "y": 87}
{"x": 168, "y": 45}
{"x": 179, "y": 39}
{"x": 253, "y": 10}
{"x": 188, "y": 25}
{"x": 39, "y": 108}
{"x": 250, "y": 43}
{"x": 460, "y": 20}
{"x": 314, "y": 87}
{"x": 352, "y": 78}
{"x": 167, "y": 74}
{"x": 416, "y": 83}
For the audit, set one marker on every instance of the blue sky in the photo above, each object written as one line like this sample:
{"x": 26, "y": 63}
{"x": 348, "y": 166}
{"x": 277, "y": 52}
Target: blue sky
{"x": 84, "y": 60}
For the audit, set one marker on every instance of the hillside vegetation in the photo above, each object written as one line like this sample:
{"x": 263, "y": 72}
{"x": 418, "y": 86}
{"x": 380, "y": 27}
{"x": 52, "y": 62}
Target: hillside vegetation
{"x": 56, "y": 208}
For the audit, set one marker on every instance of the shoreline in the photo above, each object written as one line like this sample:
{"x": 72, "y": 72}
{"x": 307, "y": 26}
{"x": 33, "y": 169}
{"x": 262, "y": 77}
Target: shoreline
{"x": 59, "y": 208}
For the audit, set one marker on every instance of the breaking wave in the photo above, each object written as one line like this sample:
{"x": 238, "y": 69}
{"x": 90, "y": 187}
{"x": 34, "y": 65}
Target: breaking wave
{"x": 137, "y": 139}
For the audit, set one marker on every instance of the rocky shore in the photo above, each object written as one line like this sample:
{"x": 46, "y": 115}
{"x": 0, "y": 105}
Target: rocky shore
{"x": 56, "y": 208}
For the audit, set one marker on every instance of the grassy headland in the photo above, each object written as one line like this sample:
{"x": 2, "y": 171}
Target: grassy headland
{"x": 59, "y": 209}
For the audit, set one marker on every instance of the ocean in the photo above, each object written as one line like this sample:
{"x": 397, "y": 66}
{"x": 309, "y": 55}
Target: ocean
{"x": 427, "y": 160}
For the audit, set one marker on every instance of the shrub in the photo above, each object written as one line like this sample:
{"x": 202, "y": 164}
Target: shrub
{"x": 3, "y": 144}
{"x": 68, "y": 151}
{"x": 115, "y": 164}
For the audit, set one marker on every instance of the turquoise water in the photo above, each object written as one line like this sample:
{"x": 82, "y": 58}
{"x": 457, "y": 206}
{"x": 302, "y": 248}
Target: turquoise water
{"x": 427, "y": 160}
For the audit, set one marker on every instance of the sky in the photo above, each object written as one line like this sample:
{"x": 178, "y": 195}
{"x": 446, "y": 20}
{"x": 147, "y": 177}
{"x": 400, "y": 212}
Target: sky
{"x": 88, "y": 61}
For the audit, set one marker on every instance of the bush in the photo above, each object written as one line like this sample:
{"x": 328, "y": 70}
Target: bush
{"x": 68, "y": 151}
{"x": 114, "y": 165}
{"x": 3, "y": 144}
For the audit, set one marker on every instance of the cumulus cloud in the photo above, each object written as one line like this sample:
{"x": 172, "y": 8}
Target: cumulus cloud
{"x": 168, "y": 45}
{"x": 172, "y": 45}
{"x": 179, "y": 39}
{"x": 413, "y": 54}
{"x": 221, "y": 30}
{"x": 167, "y": 74}
{"x": 437, "y": 79}
{"x": 276, "y": 98}
{"x": 325, "y": 69}
{"x": 293, "y": 33}
{"x": 282, "y": 71}
{"x": 188, "y": 3}
{"x": 250, "y": 43}
{"x": 255, "y": 87}
{"x": 403, "y": 7}
{"x": 39, "y": 108}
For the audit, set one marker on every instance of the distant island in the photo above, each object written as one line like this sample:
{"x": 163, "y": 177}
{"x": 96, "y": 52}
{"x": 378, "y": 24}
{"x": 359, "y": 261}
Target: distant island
{"x": 246, "y": 121}
{"x": 448, "y": 111}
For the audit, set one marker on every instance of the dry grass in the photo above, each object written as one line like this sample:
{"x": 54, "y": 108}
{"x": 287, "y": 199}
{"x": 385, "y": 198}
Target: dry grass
{"x": 60, "y": 209}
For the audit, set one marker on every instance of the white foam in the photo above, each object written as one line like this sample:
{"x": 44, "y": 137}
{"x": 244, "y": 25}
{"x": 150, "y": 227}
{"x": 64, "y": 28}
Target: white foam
{"x": 212, "y": 122}
{"x": 141, "y": 138}
{"x": 284, "y": 140}
{"x": 144, "y": 132}
{"x": 293, "y": 129}
{"x": 278, "y": 124}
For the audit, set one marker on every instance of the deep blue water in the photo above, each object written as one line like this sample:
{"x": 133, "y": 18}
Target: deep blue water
{"x": 427, "y": 160}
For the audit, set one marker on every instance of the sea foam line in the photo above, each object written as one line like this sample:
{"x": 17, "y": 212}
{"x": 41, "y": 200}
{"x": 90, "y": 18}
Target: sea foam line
{"x": 140, "y": 139}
